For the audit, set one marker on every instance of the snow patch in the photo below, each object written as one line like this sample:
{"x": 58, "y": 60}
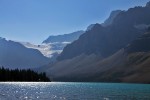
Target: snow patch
{"x": 142, "y": 26}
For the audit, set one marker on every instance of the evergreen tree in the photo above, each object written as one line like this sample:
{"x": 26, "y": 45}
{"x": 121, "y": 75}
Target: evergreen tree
{"x": 22, "y": 75}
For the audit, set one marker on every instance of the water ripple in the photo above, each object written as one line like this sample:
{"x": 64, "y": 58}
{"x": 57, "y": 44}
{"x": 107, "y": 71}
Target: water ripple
{"x": 73, "y": 91}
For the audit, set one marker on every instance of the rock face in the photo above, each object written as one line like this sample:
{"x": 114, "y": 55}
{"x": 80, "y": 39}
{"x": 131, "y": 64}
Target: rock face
{"x": 105, "y": 41}
{"x": 15, "y": 55}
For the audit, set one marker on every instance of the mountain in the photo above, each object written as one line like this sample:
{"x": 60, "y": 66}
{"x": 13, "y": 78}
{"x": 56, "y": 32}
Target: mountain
{"x": 90, "y": 27}
{"x": 108, "y": 21}
{"x": 105, "y": 41}
{"x": 111, "y": 18}
{"x": 115, "y": 53}
{"x": 129, "y": 64}
{"x": 141, "y": 44}
{"x": 54, "y": 45}
{"x": 64, "y": 38}
{"x": 15, "y": 55}
{"x": 148, "y": 4}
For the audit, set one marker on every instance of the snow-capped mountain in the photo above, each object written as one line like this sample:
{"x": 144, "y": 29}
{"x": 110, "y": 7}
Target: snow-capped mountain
{"x": 54, "y": 45}
{"x": 47, "y": 49}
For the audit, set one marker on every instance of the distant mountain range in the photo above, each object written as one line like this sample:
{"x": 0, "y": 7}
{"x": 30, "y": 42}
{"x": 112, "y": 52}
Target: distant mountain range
{"x": 27, "y": 55}
{"x": 64, "y": 38}
{"x": 54, "y": 45}
{"x": 15, "y": 55}
{"x": 115, "y": 52}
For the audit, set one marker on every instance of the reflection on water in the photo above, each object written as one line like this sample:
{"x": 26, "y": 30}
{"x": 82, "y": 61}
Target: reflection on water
{"x": 73, "y": 91}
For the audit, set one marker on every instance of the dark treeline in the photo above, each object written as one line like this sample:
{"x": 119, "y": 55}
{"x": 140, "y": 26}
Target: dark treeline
{"x": 22, "y": 75}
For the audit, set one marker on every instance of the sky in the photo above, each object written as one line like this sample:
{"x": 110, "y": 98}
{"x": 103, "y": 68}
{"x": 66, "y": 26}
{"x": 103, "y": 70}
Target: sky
{"x": 34, "y": 20}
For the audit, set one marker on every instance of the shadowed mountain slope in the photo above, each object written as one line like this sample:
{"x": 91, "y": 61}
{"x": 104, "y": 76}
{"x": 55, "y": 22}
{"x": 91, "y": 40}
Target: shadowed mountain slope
{"x": 115, "y": 53}
{"x": 123, "y": 66}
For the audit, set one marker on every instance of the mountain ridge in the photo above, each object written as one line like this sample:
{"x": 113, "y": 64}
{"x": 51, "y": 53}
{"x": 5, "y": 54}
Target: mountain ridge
{"x": 99, "y": 39}
{"x": 15, "y": 55}
{"x": 115, "y": 53}
{"x": 64, "y": 38}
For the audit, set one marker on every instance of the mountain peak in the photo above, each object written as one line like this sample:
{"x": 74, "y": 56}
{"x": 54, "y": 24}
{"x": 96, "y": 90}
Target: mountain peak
{"x": 2, "y": 38}
{"x": 148, "y": 4}
{"x": 112, "y": 16}
{"x": 106, "y": 40}
{"x": 97, "y": 25}
{"x": 90, "y": 27}
{"x": 93, "y": 26}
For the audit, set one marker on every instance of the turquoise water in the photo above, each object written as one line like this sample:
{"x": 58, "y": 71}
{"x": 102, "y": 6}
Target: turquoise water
{"x": 73, "y": 91}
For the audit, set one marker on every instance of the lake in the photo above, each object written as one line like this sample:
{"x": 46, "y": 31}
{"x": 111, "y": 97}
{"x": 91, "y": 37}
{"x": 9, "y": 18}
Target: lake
{"x": 73, "y": 91}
